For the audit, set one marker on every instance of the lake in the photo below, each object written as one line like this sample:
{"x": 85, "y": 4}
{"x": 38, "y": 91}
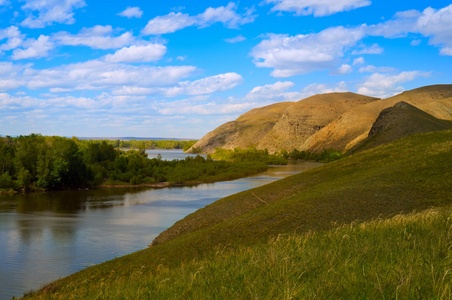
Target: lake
{"x": 46, "y": 236}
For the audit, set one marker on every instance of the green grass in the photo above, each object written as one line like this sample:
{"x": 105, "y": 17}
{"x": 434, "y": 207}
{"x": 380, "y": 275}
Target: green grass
{"x": 223, "y": 250}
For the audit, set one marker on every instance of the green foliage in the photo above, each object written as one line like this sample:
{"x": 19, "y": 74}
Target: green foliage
{"x": 327, "y": 155}
{"x": 37, "y": 162}
{"x": 147, "y": 144}
{"x": 248, "y": 155}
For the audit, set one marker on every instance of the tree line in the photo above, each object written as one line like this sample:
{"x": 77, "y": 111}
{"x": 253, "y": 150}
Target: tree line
{"x": 149, "y": 144}
{"x": 37, "y": 162}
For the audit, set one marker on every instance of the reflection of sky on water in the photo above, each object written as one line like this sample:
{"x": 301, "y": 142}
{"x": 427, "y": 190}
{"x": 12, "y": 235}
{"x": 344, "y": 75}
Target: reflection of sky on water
{"x": 170, "y": 154}
{"x": 45, "y": 236}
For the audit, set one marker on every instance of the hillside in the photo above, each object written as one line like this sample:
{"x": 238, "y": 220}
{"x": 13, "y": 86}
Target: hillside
{"x": 304, "y": 118}
{"x": 413, "y": 173}
{"x": 244, "y": 132}
{"x": 399, "y": 121}
{"x": 353, "y": 126}
{"x": 328, "y": 121}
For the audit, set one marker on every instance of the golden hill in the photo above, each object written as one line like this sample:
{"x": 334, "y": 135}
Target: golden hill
{"x": 353, "y": 126}
{"x": 306, "y": 117}
{"x": 337, "y": 121}
{"x": 244, "y": 132}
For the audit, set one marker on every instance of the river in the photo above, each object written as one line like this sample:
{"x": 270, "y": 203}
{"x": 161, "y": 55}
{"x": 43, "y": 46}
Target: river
{"x": 46, "y": 236}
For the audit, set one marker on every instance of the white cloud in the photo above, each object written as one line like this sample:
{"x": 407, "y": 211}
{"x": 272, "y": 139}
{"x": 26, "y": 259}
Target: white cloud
{"x": 374, "y": 49}
{"x": 175, "y": 21}
{"x": 383, "y": 85}
{"x": 275, "y": 92}
{"x": 207, "y": 85}
{"x": 97, "y": 37}
{"x": 237, "y": 39}
{"x": 99, "y": 75}
{"x": 219, "y": 107}
{"x": 300, "y": 54}
{"x": 134, "y": 90}
{"x": 321, "y": 88}
{"x": 372, "y": 69}
{"x": 358, "y": 61}
{"x": 50, "y": 11}
{"x": 168, "y": 24}
{"x": 34, "y": 48}
{"x": 415, "y": 42}
{"x": 318, "y": 8}
{"x": 134, "y": 53}
{"x": 131, "y": 12}
{"x": 345, "y": 69}
{"x": 226, "y": 15}
{"x": 14, "y": 38}
{"x": 432, "y": 23}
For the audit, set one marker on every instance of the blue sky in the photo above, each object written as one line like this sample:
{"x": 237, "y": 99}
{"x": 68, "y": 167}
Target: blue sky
{"x": 181, "y": 68}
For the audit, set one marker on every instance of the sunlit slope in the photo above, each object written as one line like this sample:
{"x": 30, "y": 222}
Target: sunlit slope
{"x": 306, "y": 117}
{"x": 353, "y": 126}
{"x": 413, "y": 173}
{"x": 244, "y": 132}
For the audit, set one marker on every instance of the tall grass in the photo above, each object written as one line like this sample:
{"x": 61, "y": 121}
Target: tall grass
{"x": 405, "y": 257}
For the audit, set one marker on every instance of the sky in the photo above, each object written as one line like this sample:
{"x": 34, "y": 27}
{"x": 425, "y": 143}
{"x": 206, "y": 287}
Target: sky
{"x": 179, "y": 69}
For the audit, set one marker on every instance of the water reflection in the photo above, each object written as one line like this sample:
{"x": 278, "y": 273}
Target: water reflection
{"x": 44, "y": 236}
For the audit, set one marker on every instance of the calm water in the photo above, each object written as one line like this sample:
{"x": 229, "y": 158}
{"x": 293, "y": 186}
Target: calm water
{"x": 45, "y": 236}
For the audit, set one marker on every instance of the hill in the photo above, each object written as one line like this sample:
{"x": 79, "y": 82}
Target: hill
{"x": 244, "y": 132}
{"x": 328, "y": 121}
{"x": 353, "y": 126}
{"x": 412, "y": 173}
{"x": 399, "y": 121}
{"x": 304, "y": 118}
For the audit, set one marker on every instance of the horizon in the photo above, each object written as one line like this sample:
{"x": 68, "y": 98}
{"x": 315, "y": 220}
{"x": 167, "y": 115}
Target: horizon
{"x": 86, "y": 69}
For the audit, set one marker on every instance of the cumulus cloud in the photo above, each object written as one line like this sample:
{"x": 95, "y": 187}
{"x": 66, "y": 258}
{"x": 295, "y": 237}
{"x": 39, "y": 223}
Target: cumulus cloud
{"x": 322, "y": 88}
{"x": 13, "y": 36}
{"x": 316, "y": 7}
{"x": 97, "y": 37}
{"x": 211, "y": 107}
{"x": 134, "y": 53}
{"x": 175, "y": 21}
{"x": 207, "y": 85}
{"x": 300, "y": 54}
{"x": 34, "y": 48}
{"x": 168, "y": 24}
{"x": 345, "y": 69}
{"x": 432, "y": 23}
{"x": 49, "y": 12}
{"x": 275, "y": 92}
{"x": 358, "y": 61}
{"x": 387, "y": 85}
{"x": 131, "y": 12}
{"x": 99, "y": 75}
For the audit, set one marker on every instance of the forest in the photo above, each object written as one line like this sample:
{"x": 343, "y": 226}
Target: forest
{"x": 37, "y": 162}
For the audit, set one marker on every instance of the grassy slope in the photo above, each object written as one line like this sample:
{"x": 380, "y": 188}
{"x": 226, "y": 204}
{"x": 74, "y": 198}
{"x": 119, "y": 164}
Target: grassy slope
{"x": 413, "y": 173}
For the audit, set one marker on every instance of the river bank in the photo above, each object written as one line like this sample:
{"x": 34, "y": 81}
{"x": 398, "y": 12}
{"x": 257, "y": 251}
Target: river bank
{"x": 45, "y": 236}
